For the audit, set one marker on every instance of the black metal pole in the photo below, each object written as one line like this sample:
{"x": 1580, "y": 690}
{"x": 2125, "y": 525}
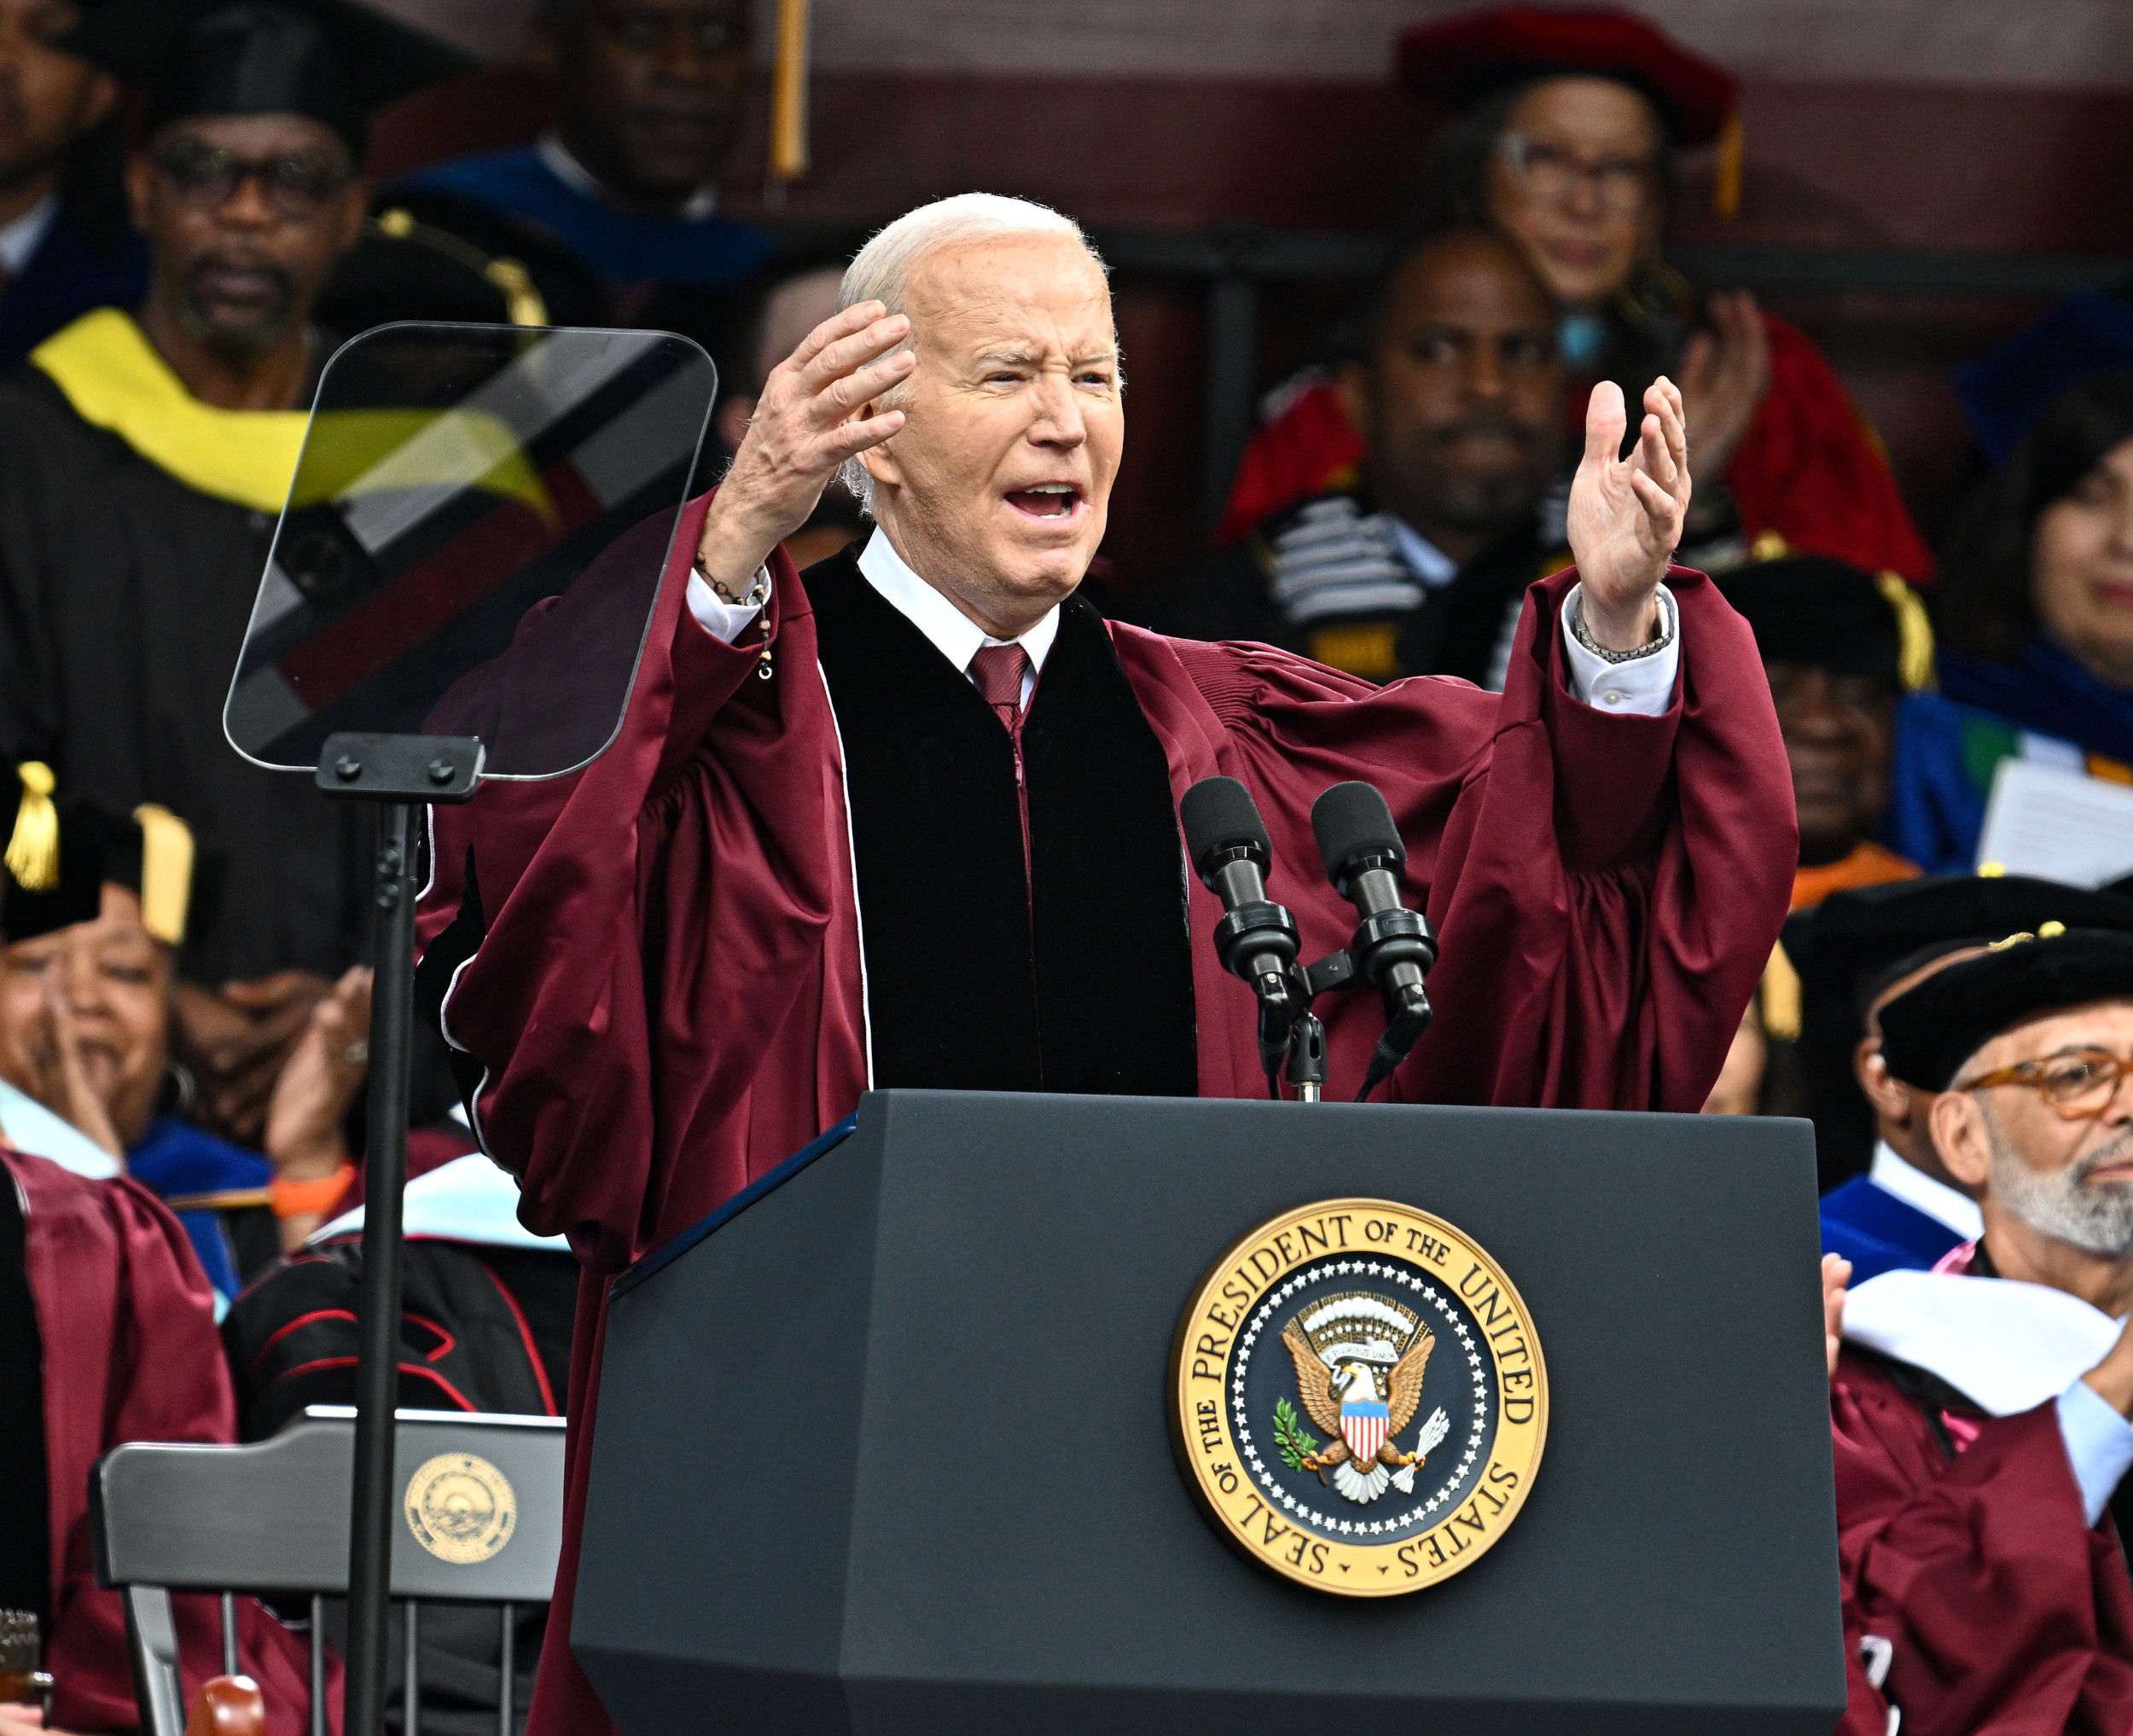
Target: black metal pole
{"x": 377, "y": 1369}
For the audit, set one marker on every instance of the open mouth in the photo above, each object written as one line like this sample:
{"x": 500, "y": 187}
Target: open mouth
{"x": 1048, "y": 500}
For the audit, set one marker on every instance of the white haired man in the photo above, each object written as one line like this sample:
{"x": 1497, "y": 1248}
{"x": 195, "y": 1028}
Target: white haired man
{"x": 953, "y": 746}
{"x": 1979, "y": 1411}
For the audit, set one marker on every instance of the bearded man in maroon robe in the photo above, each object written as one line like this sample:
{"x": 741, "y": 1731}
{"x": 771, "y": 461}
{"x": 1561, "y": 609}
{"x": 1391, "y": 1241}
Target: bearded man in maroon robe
{"x": 910, "y": 820}
{"x": 1979, "y": 1411}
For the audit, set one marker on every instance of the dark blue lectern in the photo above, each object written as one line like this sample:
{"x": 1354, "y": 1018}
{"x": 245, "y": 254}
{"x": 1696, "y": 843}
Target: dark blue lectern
{"x": 888, "y": 1448}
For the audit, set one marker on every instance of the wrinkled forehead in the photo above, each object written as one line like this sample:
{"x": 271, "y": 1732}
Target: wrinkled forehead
{"x": 2106, "y": 1024}
{"x": 1035, "y": 293}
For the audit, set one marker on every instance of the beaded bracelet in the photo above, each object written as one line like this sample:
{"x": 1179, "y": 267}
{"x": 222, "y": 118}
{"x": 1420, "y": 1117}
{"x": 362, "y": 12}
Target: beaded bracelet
{"x": 757, "y": 593}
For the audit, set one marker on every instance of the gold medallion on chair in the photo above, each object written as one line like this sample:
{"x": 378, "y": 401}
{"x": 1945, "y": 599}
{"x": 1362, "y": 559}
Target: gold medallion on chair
{"x": 461, "y": 1508}
{"x": 1357, "y": 1397}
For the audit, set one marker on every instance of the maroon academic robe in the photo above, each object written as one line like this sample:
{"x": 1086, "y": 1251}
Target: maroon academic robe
{"x": 668, "y": 1001}
{"x": 130, "y": 1354}
{"x": 2007, "y": 1612}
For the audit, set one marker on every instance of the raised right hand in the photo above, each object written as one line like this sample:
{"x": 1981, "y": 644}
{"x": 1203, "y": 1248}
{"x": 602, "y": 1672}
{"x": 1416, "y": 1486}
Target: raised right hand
{"x": 808, "y": 421}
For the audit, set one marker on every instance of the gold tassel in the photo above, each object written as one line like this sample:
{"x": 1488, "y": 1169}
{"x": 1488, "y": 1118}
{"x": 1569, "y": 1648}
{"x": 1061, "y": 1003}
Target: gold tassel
{"x": 1725, "y": 186}
{"x": 523, "y": 305}
{"x": 33, "y": 850}
{"x": 167, "y": 872}
{"x": 788, "y": 94}
{"x": 1780, "y": 996}
{"x": 1914, "y": 631}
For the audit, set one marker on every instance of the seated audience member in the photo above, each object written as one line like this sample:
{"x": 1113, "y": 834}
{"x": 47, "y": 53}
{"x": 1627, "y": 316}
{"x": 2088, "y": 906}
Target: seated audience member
{"x": 1979, "y": 1411}
{"x": 1422, "y": 568}
{"x": 1840, "y": 649}
{"x": 646, "y": 93}
{"x": 1571, "y": 121}
{"x": 143, "y": 458}
{"x": 65, "y": 245}
{"x": 1853, "y": 953}
{"x": 488, "y": 1308}
{"x": 107, "y": 1335}
{"x": 2034, "y": 610}
{"x": 85, "y": 1024}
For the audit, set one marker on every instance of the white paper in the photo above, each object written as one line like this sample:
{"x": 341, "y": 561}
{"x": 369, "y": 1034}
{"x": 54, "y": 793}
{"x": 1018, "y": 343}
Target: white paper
{"x": 2058, "y": 824}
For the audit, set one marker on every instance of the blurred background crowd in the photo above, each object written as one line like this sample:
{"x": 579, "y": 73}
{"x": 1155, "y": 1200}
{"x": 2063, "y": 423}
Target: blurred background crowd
{"x": 1367, "y": 261}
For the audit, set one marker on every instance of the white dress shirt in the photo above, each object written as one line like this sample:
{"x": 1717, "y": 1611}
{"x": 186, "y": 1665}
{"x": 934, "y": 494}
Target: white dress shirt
{"x": 21, "y": 237}
{"x": 1916, "y": 1189}
{"x": 1640, "y": 687}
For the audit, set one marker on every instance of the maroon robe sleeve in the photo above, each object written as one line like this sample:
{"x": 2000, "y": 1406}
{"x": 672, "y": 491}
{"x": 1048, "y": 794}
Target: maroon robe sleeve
{"x": 2006, "y": 1610}
{"x": 130, "y": 1354}
{"x": 665, "y": 995}
{"x": 1605, "y": 889}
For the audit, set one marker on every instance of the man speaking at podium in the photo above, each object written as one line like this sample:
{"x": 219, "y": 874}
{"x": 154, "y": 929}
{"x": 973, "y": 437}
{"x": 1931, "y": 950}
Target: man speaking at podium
{"x": 912, "y": 820}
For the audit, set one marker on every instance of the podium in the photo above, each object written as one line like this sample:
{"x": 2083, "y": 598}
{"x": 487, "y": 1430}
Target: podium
{"x": 887, "y": 1444}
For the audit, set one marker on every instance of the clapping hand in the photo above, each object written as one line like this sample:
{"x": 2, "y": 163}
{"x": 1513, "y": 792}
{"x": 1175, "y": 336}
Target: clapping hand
{"x": 62, "y": 1083}
{"x": 1725, "y": 373}
{"x": 810, "y": 419}
{"x": 1836, "y": 1274}
{"x": 1626, "y": 514}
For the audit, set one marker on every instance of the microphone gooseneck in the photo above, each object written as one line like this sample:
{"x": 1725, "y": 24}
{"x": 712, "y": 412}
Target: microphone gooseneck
{"x": 1255, "y": 939}
{"x": 1392, "y": 947}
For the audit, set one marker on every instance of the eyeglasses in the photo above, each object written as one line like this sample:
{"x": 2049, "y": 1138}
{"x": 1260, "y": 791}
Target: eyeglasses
{"x": 297, "y": 183}
{"x": 2079, "y": 1085}
{"x": 1623, "y": 185}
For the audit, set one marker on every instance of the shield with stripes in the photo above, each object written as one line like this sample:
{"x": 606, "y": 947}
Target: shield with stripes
{"x": 1362, "y": 1427}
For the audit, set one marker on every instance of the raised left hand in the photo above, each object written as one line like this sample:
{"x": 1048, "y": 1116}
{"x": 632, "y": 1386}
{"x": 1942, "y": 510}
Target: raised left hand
{"x": 1626, "y": 515}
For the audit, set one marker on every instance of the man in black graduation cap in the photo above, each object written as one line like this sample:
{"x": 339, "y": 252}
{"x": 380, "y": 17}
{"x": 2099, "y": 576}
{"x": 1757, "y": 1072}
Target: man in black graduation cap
{"x": 1856, "y": 952}
{"x": 1980, "y": 1428}
{"x": 143, "y": 458}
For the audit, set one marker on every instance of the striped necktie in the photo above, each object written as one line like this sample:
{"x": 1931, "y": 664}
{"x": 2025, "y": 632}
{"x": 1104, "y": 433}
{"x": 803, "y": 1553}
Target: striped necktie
{"x": 998, "y": 671}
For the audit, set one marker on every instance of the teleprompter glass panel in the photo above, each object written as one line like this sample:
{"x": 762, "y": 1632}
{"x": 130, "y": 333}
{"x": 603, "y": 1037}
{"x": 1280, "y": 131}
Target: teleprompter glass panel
{"x": 473, "y": 542}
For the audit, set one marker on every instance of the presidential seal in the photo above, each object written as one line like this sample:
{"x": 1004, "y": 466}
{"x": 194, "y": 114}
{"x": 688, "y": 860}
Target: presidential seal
{"x": 1357, "y": 1397}
{"x": 461, "y": 1508}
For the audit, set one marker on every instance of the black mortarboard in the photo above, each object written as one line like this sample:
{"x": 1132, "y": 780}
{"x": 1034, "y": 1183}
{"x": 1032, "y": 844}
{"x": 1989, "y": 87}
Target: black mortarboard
{"x": 332, "y": 59}
{"x": 1928, "y": 1032}
{"x": 62, "y": 853}
{"x": 1848, "y": 948}
{"x": 1807, "y": 608}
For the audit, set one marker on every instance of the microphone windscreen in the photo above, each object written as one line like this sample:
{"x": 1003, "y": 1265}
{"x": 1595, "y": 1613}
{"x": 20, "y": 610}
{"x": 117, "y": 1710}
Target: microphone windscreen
{"x": 1350, "y": 820}
{"x": 1218, "y": 815}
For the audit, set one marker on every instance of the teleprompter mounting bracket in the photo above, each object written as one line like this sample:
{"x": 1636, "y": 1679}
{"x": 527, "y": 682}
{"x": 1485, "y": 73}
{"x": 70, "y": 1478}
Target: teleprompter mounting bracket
{"x": 354, "y": 763}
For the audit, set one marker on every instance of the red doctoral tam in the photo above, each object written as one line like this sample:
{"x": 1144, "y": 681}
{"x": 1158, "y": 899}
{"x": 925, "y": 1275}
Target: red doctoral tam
{"x": 1459, "y": 60}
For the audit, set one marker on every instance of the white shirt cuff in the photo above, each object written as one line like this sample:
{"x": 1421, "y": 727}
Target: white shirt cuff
{"x": 2099, "y": 1445}
{"x": 1643, "y": 687}
{"x": 723, "y": 621}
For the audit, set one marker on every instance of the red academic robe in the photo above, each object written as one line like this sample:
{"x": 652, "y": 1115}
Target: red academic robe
{"x": 2007, "y": 1612}
{"x": 1808, "y": 467}
{"x": 668, "y": 1000}
{"x": 130, "y": 1354}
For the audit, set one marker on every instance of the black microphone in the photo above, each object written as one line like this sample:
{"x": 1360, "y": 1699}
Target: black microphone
{"x": 1256, "y": 940}
{"x": 1392, "y": 947}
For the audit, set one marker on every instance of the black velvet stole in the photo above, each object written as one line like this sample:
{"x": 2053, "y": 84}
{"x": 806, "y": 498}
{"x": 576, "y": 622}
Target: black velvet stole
{"x": 1076, "y": 978}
